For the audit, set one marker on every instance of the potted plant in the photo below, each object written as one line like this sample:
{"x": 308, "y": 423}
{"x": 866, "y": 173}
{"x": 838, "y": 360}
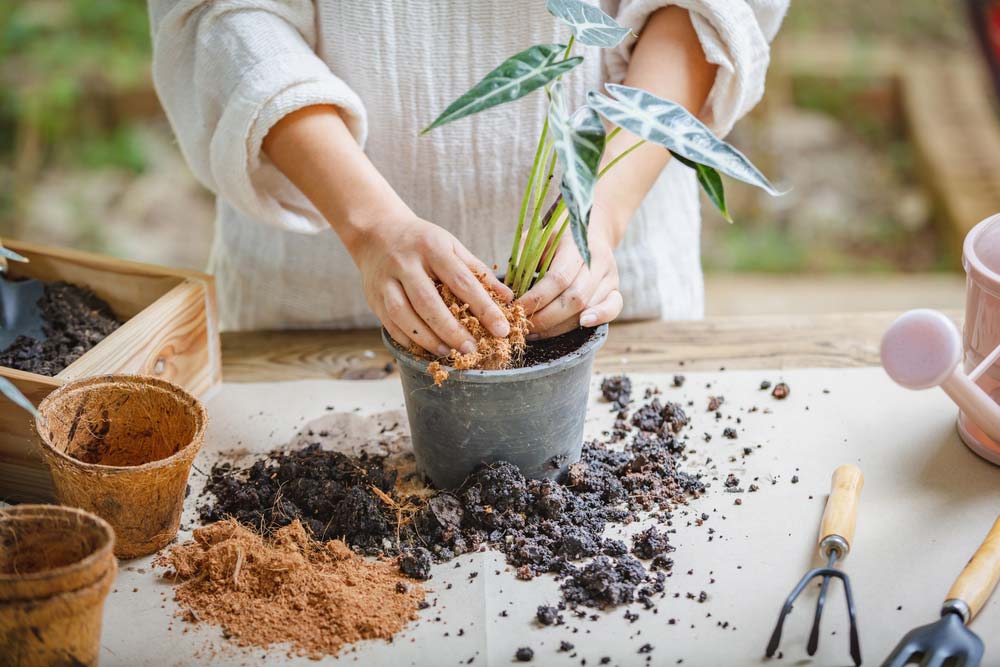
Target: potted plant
{"x": 533, "y": 415}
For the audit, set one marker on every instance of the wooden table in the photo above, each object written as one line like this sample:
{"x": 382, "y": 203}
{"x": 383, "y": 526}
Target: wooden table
{"x": 836, "y": 340}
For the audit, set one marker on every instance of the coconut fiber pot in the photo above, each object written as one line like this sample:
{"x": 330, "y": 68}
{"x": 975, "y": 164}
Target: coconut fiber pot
{"x": 532, "y": 417}
{"x": 56, "y": 568}
{"x": 121, "y": 446}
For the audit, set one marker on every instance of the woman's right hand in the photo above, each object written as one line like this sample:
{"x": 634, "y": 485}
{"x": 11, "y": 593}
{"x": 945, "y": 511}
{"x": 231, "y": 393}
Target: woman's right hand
{"x": 399, "y": 262}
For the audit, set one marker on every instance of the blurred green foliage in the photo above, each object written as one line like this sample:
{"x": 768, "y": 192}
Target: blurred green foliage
{"x": 923, "y": 22}
{"x": 55, "y": 57}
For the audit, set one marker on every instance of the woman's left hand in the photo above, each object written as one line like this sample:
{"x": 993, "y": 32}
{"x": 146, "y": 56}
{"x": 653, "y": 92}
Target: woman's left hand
{"x": 571, "y": 294}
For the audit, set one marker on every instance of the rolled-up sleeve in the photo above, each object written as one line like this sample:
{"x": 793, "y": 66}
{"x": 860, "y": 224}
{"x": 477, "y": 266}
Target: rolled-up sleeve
{"x": 735, "y": 35}
{"x": 226, "y": 72}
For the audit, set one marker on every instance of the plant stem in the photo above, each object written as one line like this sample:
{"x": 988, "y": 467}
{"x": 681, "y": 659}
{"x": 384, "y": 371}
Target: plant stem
{"x": 569, "y": 46}
{"x": 619, "y": 157}
{"x": 516, "y": 250}
{"x": 533, "y": 257}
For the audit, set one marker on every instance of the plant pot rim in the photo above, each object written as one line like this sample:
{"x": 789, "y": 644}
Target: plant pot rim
{"x": 188, "y": 451}
{"x": 102, "y": 552}
{"x": 577, "y": 356}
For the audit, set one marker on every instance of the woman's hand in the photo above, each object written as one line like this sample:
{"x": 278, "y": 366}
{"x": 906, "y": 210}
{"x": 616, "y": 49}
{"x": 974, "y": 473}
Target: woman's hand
{"x": 399, "y": 262}
{"x": 571, "y": 294}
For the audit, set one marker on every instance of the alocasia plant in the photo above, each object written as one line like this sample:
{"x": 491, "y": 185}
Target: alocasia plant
{"x": 576, "y": 140}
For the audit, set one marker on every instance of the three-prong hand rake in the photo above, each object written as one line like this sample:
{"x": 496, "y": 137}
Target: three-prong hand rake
{"x": 835, "y": 536}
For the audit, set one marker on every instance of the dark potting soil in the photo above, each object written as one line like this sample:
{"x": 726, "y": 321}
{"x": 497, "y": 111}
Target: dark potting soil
{"x": 74, "y": 319}
{"x": 541, "y": 526}
{"x": 549, "y": 349}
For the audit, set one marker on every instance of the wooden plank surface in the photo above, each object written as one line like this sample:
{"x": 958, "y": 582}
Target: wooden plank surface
{"x": 835, "y": 340}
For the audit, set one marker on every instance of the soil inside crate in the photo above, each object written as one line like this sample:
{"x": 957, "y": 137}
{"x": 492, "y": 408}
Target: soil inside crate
{"x": 74, "y": 320}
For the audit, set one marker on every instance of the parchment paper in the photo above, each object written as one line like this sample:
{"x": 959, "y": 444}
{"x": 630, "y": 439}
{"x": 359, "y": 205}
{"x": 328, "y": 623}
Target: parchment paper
{"x": 926, "y": 505}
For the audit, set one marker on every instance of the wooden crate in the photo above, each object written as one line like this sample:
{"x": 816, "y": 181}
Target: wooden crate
{"x": 171, "y": 331}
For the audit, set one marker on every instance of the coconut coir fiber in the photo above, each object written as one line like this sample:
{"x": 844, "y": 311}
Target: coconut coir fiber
{"x": 491, "y": 353}
{"x": 316, "y": 596}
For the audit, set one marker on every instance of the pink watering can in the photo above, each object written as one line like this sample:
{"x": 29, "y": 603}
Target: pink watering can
{"x": 924, "y": 349}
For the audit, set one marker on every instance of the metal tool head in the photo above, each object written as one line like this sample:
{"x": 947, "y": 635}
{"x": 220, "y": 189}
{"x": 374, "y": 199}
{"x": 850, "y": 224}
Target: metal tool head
{"x": 19, "y": 312}
{"x": 826, "y": 573}
{"x": 944, "y": 641}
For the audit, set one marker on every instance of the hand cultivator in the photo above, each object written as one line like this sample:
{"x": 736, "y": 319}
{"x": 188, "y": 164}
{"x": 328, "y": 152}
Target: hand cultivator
{"x": 835, "y": 537}
{"x": 948, "y": 640}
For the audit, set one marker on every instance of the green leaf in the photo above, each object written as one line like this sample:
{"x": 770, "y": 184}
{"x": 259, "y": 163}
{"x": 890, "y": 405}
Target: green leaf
{"x": 710, "y": 182}
{"x": 670, "y": 125}
{"x": 513, "y": 79}
{"x": 14, "y": 394}
{"x": 579, "y": 143}
{"x": 590, "y": 25}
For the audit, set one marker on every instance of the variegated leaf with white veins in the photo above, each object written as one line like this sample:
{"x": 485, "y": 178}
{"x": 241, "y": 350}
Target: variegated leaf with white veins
{"x": 672, "y": 126}
{"x": 579, "y": 141}
{"x": 590, "y": 25}
{"x": 514, "y": 78}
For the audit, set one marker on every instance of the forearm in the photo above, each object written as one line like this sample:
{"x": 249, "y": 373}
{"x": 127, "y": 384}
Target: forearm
{"x": 316, "y": 151}
{"x": 668, "y": 61}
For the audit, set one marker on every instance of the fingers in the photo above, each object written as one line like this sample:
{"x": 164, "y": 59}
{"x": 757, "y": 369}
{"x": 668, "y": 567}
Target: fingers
{"x": 396, "y": 333}
{"x": 604, "y": 311}
{"x": 558, "y": 329}
{"x": 566, "y": 306}
{"x": 565, "y": 267}
{"x": 401, "y": 314}
{"x": 468, "y": 289}
{"x": 478, "y": 268}
{"x": 428, "y": 304}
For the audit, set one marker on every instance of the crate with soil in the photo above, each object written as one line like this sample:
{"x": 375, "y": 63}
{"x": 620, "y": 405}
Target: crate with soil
{"x": 67, "y": 315}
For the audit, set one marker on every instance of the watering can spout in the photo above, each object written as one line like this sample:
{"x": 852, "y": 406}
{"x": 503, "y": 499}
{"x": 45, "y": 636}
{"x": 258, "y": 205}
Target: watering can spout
{"x": 923, "y": 349}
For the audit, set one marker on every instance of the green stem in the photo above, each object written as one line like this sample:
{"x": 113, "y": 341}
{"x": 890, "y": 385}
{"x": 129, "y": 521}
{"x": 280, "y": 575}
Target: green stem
{"x": 524, "y": 257}
{"x": 516, "y": 250}
{"x": 619, "y": 157}
{"x": 545, "y": 188}
{"x": 550, "y": 252}
{"x": 569, "y": 46}
{"x": 523, "y": 268}
{"x": 533, "y": 256}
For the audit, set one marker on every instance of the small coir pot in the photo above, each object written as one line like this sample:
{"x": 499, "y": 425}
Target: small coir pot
{"x": 56, "y": 568}
{"x": 121, "y": 446}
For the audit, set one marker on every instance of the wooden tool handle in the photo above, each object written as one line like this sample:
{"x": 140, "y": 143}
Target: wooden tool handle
{"x": 841, "y": 513}
{"x": 980, "y": 576}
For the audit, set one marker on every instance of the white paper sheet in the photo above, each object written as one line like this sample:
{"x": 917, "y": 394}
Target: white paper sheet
{"x": 926, "y": 505}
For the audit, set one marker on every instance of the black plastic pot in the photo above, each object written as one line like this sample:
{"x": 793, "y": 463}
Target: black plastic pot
{"x": 532, "y": 417}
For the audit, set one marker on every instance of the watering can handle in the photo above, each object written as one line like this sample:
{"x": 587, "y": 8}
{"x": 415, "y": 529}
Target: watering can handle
{"x": 840, "y": 516}
{"x": 980, "y": 576}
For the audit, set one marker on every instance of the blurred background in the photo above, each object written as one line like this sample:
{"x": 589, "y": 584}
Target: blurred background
{"x": 879, "y": 115}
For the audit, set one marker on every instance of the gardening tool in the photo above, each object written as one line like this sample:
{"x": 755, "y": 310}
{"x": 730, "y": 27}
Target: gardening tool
{"x": 923, "y": 348}
{"x": 948, "y": 640}
{"x": 19, "y": 313}
{"x": 836, "y": 533}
